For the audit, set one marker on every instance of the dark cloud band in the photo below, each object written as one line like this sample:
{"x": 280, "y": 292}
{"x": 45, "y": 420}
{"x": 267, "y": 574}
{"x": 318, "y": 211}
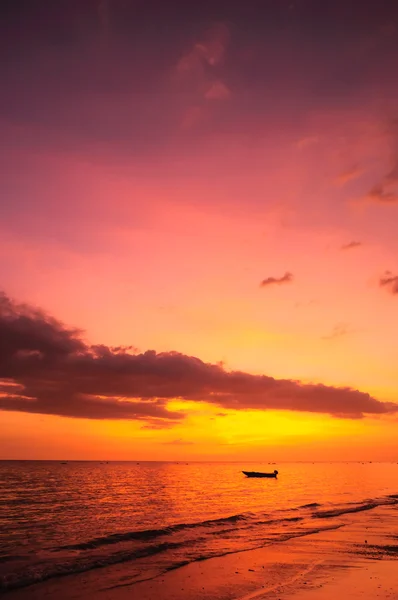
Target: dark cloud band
{"x": 47, "y": 368}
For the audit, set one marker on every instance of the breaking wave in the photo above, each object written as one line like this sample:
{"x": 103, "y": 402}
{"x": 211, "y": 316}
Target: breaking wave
{"x": 171, "y": 547}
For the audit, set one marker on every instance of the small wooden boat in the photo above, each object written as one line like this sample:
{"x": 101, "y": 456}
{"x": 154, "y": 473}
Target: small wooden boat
{"x": 257, "y": 474}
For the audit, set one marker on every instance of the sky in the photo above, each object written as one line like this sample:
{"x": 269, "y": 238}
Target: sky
{"x": 198, "y": 218}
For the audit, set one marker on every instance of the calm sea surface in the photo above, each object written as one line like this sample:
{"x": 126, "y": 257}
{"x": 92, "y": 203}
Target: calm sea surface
{"x": 59, "y": 519}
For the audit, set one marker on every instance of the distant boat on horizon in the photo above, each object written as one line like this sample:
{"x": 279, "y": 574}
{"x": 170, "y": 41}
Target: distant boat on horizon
{"x": 259, "y": 474}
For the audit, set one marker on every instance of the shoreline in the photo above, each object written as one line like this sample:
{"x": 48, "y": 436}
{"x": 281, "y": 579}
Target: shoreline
{"x": 357, "y": 559}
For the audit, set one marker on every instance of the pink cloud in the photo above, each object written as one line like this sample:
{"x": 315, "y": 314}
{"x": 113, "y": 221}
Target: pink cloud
{"x": 199, "y": 68}
{"x": 218, "y": 91}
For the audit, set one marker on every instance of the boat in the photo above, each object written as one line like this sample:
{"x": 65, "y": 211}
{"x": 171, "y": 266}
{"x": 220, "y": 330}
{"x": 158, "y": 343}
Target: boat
{"x": 257, "y": 474}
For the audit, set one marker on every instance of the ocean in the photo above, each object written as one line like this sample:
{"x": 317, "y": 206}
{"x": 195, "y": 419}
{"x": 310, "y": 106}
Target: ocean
{"x": 58, "y": 519}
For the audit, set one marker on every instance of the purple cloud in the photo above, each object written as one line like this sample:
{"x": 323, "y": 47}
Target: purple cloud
{"x": 339, "y": 330}
{"x": 390, "y": 281}
{"x": 386, "y": 191}
{"x": 287, "y": 278}
{"x": 351, "y": 245}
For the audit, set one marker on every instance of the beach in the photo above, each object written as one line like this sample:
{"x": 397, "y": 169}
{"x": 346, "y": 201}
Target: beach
{"x": 356, "y": 559}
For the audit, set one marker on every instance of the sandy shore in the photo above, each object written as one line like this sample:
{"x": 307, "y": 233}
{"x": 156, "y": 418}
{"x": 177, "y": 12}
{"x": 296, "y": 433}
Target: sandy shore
{"x": 357, "y": 560}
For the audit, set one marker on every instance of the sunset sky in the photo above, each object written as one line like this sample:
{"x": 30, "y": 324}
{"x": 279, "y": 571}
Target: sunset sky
{"x": 198, "y": 230}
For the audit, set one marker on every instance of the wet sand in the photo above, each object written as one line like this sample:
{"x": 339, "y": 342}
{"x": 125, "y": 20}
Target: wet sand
{"x": 356, "y": 560}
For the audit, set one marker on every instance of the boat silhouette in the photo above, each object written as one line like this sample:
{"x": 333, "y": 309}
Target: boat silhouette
{"x": 258, "y": 474}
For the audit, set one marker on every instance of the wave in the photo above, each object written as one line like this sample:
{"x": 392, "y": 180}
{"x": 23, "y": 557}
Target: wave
{"x": 32, "y": 576}
{"x": 66, "y": 569}
{"x": 171, "y": 547}
{"x": 150, "y": 534}
{"x": 252, "y": 519}
{"x": 368, "y": 505}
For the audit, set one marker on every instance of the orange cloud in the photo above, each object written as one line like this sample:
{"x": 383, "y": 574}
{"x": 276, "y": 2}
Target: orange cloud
{"x": 178, "y": 442}
{"x": 349, "y": 175}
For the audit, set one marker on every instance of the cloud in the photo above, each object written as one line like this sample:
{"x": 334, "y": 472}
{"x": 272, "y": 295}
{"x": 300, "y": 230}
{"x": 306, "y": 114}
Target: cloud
{"x": 380, "y": 195}
{"x": 338, "y": 330}
{"x": 179, "y": 442}
{"x": 212, "y": 47}
{"x": 192, "y": 117}
{"x": 349, "y": 175}
{"x": 217, "y": 91}
{"x": 306, "y": 142}
{"x": 287, "y": 278}
{"x": 199, "y": 68}
{"x": 390, "y": 281}
{"x": 386, "y": 191}
{"x": 301, "y": 304}
{"x": 351, "y": 245}
{"x": 47, "y": 368}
